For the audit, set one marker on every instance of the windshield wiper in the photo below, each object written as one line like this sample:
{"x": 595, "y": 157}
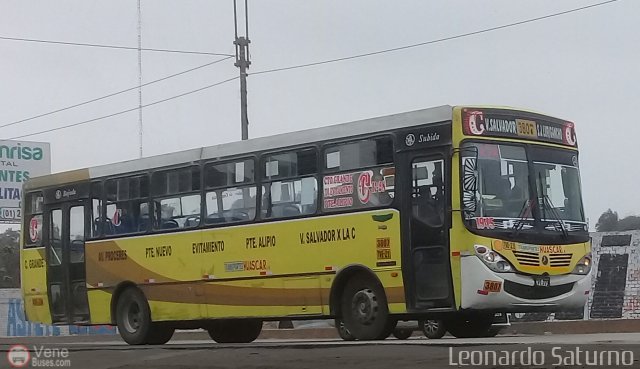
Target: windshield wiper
{"x": 546, "y": 200}
{"x": 522, "y": 216}
{"x": 555, "y": 215}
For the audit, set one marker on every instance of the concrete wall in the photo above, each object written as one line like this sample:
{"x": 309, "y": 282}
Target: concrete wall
{"x": 616, "y": 272}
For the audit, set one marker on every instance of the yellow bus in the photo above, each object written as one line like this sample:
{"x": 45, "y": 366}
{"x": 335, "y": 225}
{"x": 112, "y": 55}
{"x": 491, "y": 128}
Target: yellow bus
{"x": 449, "y": 213}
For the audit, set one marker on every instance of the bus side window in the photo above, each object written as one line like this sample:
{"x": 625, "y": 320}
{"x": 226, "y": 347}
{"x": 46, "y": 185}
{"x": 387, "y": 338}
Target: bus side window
{"x": 428, "y": 192}
{"x": 124, "y": 210}
{"x": 176, "y": 198}
{"x": 34, "y": 216}
{"x": 55, "y": 237}
{"x": 290, "y": 185}
{"x": 231, "y": 192}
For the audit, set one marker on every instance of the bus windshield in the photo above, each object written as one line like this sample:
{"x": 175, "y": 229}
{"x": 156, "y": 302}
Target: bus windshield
{"x": 500, "y": 196}
{"x": 502, "y": 181}
{"x": 557, "y": 180}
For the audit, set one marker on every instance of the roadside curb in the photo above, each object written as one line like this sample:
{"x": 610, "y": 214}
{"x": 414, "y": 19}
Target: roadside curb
{"x": 518, "y": 328}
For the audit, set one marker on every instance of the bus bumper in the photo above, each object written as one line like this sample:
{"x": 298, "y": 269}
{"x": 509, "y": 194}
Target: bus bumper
{"x": 517, "y": 293}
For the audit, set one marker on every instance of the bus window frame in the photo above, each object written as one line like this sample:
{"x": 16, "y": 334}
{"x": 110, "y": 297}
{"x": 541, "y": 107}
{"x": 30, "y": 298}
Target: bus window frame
{"x": 351, "y": 140}
{"x": 104, "y": 203}
{"x": 103, "y": 210}
{"x": 263, "y": 180}
{"x": 152, "y": 198}
{"x": 25, "y": 239}
{"x": 204, "y": 189}
{"x": 395, "y": 203}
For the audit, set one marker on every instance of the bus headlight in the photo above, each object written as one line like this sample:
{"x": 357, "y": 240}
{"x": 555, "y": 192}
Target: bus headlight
{"x": 493, "y": 260}
{"x": 584, "y": 265}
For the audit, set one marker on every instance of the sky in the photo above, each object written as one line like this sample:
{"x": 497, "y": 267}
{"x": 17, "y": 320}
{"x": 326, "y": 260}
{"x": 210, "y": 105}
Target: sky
{"x": 582, "y": 66}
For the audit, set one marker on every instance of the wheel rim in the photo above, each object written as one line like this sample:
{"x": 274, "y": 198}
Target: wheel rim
{"x": 132, "y": 318}
{"x": 343, "y": 330}
{"x": 431, "y": 326}
{"x": 364, "y": 306}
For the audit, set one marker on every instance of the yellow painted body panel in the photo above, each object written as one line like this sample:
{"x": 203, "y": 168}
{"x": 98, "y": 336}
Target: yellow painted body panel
{"x": 34, "y": 285}
{"x": 275, "y": 269}
{"x": 99, "y": 306}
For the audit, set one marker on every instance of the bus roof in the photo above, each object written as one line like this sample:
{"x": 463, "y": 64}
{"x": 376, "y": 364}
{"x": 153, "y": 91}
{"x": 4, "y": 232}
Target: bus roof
{"x": 378, "y": 124}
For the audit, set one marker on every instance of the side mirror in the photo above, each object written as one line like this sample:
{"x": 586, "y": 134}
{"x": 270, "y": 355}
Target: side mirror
{"x": 469, "y": 184}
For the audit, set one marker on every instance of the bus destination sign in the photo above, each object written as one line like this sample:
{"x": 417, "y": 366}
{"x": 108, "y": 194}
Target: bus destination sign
{"x": 477, "y": 122}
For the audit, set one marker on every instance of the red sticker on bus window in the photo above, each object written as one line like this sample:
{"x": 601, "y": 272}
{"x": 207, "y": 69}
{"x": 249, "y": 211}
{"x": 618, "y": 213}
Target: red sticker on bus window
{"x": 116, "y": 219}
{"x": 367, "y": 185}
{"x": 485, "y": 223}
{"x": 34, "y": 229}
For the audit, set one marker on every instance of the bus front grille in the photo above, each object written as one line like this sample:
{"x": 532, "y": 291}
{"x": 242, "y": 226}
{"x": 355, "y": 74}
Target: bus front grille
{"x": 527, "y": 258}
{"x": 534, "y": 259}
{"x": 560, "y": 260}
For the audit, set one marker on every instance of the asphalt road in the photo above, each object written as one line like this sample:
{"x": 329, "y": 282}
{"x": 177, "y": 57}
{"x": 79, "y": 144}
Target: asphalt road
{"x": 548, "y": 351}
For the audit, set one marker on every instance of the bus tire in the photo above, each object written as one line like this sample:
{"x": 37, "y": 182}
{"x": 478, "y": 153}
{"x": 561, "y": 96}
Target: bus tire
{"x": 343, "y": 332}
{"x": 473, "y": 326}
{"x": 388, "y": 329}
{"x": 235, "y": 331}
{"x": 402, "y": 333}
{"x": 433, "y": 328}
{"x": 160, "y": 334}
{"x": 133, "y": 317}
{"x": 364, "y": 309}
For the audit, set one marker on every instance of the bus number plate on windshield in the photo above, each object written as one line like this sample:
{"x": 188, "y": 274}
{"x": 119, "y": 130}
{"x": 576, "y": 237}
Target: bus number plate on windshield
{"x": 526, "y": 128}
{"x": 541, "y": 282}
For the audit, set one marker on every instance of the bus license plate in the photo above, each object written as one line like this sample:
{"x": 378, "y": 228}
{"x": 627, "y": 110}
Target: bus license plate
{"x": 541, "y": 282}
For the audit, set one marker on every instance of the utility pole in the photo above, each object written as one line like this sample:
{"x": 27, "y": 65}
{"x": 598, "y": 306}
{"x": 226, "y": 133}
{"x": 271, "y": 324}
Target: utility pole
{"x": 140, "y": 75}
{"x": 243, "y": 63}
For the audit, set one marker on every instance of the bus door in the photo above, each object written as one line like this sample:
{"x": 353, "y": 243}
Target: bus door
{"x": 424, "y": 221}
{"x": 67, "y": 229}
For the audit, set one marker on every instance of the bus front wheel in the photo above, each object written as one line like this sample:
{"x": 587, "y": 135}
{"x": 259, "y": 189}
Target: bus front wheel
{"x": 133, "y": 317}
{"x": 402, "y": 333}
{"x": 472, "y": 326}
{"x": 433, "y": 328}
{"x": 235, "y": 331}
{"x": 364, "y": 309}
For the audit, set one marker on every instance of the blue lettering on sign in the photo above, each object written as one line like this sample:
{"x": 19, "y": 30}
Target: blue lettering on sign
{"x": 18, "y": 326}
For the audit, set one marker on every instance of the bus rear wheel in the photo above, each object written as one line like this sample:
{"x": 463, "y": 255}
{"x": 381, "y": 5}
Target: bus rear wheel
{"x": 133, "y": 317}
{"x": 235, "y": 331}
{"x": 343, "y": 332}
{"x": 364, "y": 309}
{"x": 160, "y": 334}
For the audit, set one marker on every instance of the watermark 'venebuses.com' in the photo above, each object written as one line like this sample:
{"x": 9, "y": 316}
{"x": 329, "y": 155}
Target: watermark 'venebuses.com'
{"x": 20, "y": 356}
{"x": 556, "y": 356}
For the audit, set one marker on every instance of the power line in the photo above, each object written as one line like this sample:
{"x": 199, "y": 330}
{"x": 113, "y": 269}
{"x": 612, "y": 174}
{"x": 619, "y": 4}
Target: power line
{"x": 125, "y": 111}
{"x": 432, "y": 41}
{"x": 299, "y": 66}
{"x": 113, "y": 94}
{"x": 109, "y": 46}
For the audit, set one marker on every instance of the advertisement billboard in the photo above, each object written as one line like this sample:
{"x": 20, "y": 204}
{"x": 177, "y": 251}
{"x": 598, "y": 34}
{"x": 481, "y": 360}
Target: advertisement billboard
{"x": 19, "y": 161}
